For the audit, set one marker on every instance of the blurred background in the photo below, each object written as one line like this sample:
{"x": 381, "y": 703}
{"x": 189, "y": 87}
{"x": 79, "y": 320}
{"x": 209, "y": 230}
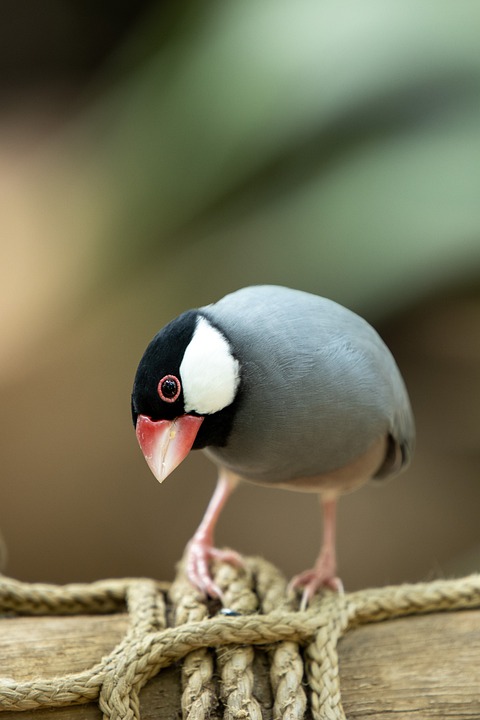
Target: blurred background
{"x": 156, "y": 155}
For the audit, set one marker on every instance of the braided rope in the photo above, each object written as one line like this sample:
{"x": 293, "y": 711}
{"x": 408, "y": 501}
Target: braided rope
{"x": 286, "y": 664}
{"x": 121, "y": 683}
{"x": 268, "y": 619}
{"x": 235, "y": 662}
{"x": 322, "y": 660}
{"x": 199, "y": 696}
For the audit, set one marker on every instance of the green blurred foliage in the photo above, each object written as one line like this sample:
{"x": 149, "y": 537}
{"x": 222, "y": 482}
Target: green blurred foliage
{"x": 330, "y": 145}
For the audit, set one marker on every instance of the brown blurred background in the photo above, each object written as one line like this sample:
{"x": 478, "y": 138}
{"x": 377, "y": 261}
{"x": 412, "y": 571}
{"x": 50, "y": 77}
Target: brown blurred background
{"x": 155, "y": 157}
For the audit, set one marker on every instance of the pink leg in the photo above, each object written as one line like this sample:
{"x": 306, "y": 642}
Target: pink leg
{"x": 323, "y": 573}
{"x": 201, "y": 549}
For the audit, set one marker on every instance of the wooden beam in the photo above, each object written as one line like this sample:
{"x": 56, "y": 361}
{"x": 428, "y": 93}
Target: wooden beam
{"x": 416, "y": 667}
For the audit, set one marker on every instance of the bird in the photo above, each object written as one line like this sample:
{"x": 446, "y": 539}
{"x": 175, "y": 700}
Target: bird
{"x": 278, "y": 387}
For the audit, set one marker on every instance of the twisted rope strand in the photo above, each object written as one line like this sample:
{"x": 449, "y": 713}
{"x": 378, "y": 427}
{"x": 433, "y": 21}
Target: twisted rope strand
{"x": 199, "y": 696}
{"x": 286, "y": 665}
{"x": 98, "y": 598}
{"x": 378, "y": 604}
{"x": 236, "y": 661}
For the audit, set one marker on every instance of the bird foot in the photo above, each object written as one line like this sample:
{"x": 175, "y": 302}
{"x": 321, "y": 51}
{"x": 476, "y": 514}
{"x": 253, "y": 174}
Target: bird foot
{"x": 313, "y": 580}
{"x": 199, "y": 554}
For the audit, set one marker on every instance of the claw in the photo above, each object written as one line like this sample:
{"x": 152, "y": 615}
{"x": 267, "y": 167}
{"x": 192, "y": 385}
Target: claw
{"x": 322, "y": 575}
{"x": 312, "y": 582}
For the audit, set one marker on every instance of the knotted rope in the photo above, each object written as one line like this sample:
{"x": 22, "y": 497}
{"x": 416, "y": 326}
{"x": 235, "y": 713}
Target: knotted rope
{"x": 261, "y": 620}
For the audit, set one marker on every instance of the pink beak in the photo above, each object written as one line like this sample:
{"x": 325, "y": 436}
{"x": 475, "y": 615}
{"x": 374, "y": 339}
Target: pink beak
{"x": 165, "y": 443}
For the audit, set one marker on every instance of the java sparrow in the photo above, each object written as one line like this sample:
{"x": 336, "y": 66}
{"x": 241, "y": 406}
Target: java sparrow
{"x": 279, "y": 387}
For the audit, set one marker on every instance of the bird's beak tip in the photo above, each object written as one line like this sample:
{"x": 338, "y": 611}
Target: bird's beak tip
{"x": 165, "y": 443}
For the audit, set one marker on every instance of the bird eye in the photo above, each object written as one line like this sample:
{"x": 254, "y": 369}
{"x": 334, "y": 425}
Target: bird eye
{"x": 169, "y": 388}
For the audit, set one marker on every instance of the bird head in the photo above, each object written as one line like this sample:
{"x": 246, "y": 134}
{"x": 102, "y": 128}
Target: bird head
{"x": 185, "y": 391}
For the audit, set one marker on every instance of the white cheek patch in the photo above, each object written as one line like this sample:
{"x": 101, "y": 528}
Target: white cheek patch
{"x": 209, "y": 372}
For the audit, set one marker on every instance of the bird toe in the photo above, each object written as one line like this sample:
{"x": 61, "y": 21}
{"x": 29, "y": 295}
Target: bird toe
{"x": 312, "y": 581}
{"x": 199, "y": 556}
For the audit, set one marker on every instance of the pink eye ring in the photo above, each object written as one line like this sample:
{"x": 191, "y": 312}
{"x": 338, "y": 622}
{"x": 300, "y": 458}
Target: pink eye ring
{"x": 169, "y": 388}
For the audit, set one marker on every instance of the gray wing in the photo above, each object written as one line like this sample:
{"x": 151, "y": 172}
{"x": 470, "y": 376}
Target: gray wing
{"x": 318, "y": 386}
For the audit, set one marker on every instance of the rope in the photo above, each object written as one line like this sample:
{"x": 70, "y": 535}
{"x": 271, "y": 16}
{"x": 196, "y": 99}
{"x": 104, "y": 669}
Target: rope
{"x": 220, "y": 653}
{"x": 199, "y": 699}
{"x": 286, "y": 664}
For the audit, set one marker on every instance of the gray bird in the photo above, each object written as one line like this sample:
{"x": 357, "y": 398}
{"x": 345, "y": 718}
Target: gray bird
{"x": 279, "y": 387}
